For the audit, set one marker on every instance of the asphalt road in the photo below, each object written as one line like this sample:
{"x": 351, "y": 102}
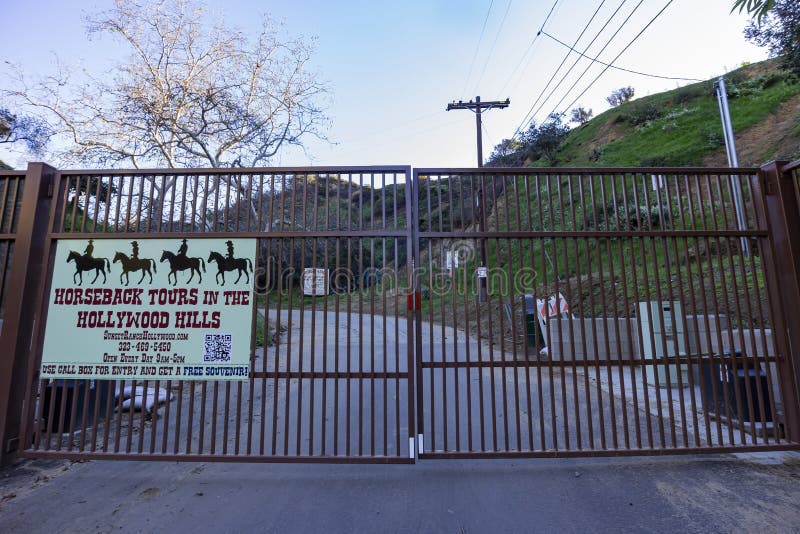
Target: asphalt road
{"x": 696, "y": 494}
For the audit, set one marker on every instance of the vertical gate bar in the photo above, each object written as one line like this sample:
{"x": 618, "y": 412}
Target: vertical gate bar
{"x": 302, "y": 311}
{"x": 336, "y": 334}
{"x": 510, "y": 299}
{"x": 360, "y": 283}
{"x": 761, "y": 320}
{"x": 603, "y": 302}
{"x": 140, "y": 444}
{"x": 560, "y": 245}
{"x": 278, "y": 328}
{"x": 326, "y": 262}
{"x": 616, "y": 311}
{"x": 551, "y": 193}
{"x": 539, "y": 390}
{"x": 668, "y": 242}
{"x": 745, "y": 396}
{"x": 313, "y": 369}
{"x": 522, "y": 264}
{"x": 755, "y": 313}
{"x": 651, "y": 330}
{"x": 578, "y": 276}
{"x": 597, "y": 371}
{"x": 698, "y": 224}
{"x": 638, "y": 245}
{"x": 457, "y": 289}
{"x": 278, "y": 300}
{"x": 679, "y": 196}
{"x": 292, "y": 219}
{"x": 552, "y": 426}
{"x": 546, "y": 286}
{"x": 350, "y": 265}
{"x": 86, "y": 201}
{"x": 570, "y": 325}
{"x": 441, "y": 303}
{"x": 372, "y": 315}
{"x": 713, "y": 356}
{"x": 384, "y": 342}
{"x": 453, "y": 278}
{"x": 752, "y": 358}
{"x": 251, "y": 384}
{"x": 468, "y": 339}
{"x": 621, "y": 245}
{"x": 522, "y": 352}
{"x": 502, "y": 362}
{"x": 480, "y": 369}
{"x": 264, "y": 244}
{"x": 778, "y": 211}
{"x": 726, "y": 297}
{"x": 397, "y": 287}
{"x": 414, "y": 315}
{"x": 432, "y": 404}
{"x": 695, "y": 359}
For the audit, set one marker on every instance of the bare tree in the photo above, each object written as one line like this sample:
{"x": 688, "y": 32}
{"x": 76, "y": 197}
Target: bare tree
{"x": 189, "y": 94}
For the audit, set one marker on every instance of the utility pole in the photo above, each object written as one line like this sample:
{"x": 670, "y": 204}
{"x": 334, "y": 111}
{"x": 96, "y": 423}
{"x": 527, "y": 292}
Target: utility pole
{"x": 733, "y": 160}
{"x": 477, "y": 107}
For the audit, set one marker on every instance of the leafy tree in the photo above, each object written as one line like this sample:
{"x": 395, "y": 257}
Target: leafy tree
{"x": 760, "y": 8}
{"x": 580, "y": 115}
{"x": 31, "y": 131}
{"x": 545, "y": 140}
{"x": 191, "y": 93}
{"x": 620, "y": 96}
{"x": 779, "y": 30}
{"x": 506, "y": 154}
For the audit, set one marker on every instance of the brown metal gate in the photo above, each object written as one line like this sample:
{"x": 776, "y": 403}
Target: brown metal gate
{"x": 330, "y": 375}
{"x": 410, "y": 354}
{"x": 706, "y": 369}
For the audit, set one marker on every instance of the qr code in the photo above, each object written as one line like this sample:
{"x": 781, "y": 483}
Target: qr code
{"x": 217, "y": 348}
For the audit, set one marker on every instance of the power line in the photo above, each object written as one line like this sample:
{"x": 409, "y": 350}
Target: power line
{"x": 491, "y": 50}
{"x": 547, "y": 85}
{"x": 595, "y": 60}
{"x": 530, "y": 47}
{"x": 597, "y": 35}
{"x": 606, "y": 45}
{"x": 477, "y": 47}
{"x": 618, "y": 55}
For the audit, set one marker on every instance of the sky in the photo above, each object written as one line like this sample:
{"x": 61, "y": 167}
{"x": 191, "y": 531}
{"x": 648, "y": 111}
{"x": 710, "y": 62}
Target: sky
{"x": 392, "y": 67}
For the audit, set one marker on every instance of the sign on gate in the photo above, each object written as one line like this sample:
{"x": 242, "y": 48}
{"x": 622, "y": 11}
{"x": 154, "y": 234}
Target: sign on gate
{"x": 147, "y": 309}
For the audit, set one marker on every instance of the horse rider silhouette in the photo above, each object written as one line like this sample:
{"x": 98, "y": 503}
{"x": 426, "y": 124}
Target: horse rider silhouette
{"x": 135, "y": 246}
{"x": 229, "y": 243}
{"x": 183, "y": 248}
{"x": 87, "y": 253}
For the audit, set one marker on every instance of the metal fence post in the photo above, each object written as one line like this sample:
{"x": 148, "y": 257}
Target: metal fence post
{"x": 23, "y": 279}
{"x": 782, "y": 215}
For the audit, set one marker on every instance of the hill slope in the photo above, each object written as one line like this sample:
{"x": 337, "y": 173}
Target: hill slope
{"x": 682, "y": 127}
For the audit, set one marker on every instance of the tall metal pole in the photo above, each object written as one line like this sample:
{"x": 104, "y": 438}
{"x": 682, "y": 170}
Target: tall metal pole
{"x": 733, "y": 160}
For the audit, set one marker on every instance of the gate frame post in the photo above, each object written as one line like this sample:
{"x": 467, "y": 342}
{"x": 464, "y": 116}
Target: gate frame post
{"x": 25, "y": 276}
{"x": 782, "y": 214}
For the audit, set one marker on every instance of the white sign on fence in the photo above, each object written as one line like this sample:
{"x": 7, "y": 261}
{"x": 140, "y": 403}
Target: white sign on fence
{"x": 315, "y": 282}
{"x": 147, "y": 309}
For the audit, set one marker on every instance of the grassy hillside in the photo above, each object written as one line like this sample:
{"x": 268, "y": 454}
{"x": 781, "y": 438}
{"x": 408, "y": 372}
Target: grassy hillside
{"x": 682, "y": 127}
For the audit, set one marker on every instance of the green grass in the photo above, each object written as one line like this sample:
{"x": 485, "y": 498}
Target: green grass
{"x": 687, "y": 126}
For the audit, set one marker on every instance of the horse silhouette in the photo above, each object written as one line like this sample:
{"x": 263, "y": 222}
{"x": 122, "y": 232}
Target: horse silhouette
{"x": 229, "y": 264}
{"x": 181, "y": 263}
{"x": 87, "y": 263}
{"x": 134, "y": 264}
